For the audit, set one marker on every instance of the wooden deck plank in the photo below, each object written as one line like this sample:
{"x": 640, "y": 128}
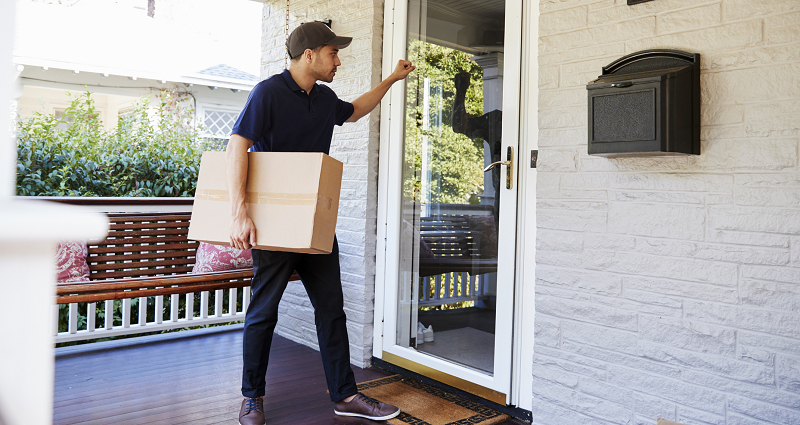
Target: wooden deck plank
{"x": 192, "y": 380}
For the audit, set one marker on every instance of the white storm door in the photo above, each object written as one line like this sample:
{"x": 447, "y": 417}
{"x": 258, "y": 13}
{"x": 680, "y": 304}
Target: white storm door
{"x": 447, "y": 229}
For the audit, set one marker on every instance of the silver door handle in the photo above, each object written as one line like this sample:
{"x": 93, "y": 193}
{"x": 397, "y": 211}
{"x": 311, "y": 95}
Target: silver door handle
{"x": 492, "y": 165}
{"x": 509, "y": 164}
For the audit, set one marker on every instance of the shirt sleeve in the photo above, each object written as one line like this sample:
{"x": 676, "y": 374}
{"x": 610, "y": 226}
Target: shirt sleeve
{"x": 254, "y": 120}
{"x": 344, "y": 110}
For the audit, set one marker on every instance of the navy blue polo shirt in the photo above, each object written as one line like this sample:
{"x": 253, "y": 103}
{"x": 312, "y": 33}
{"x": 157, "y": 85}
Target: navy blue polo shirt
{"x": 280, "y": 117}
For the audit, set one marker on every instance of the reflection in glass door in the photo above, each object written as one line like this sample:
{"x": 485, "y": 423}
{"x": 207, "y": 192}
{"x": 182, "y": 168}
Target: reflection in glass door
{"x": 447, "y": 292}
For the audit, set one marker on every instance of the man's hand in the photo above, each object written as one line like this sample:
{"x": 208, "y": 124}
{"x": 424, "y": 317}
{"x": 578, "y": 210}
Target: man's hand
{"x": 402, "y": 70}
{"x": 243, "y": 232}
{"x": 461, "y": 81}
{"x": 369, "y": 100}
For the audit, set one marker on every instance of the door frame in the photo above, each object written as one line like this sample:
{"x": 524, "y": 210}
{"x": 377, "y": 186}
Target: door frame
{"x": 520, "y": 350}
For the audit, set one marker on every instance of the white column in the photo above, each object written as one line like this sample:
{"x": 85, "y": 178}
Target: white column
{"x": 27, "y": 259}
{"x": 492, "y": 65}
{"x": 8, "y": 151}
{"x": 27, "y": 243}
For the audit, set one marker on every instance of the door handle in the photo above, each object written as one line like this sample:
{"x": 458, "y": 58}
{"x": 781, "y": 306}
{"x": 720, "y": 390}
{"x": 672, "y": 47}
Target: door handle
{"x": 509, "y": 163}
{"x": 492, "y": 165}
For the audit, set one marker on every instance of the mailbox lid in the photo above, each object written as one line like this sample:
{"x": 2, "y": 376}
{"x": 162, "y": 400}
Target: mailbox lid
{"x": 636, "y": 78}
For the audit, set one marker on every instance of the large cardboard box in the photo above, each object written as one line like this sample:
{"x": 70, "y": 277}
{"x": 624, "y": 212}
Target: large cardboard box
{"x": 293, "y": 199}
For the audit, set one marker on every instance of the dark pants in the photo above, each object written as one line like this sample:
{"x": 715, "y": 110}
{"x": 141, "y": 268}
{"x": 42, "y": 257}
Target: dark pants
{"x": 321, "y": 278}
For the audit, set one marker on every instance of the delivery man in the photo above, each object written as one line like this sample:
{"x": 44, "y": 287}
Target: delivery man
{"x": 289, "y": 112}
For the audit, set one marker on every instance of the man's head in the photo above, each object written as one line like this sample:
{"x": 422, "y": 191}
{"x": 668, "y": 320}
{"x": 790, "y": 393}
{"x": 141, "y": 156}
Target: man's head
{"x": 314, "y": 47}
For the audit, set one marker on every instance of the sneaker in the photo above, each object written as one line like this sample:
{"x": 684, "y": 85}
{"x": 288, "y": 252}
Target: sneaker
{"x": 364, "y": 407}
{"x": 420, "y": 327}
{"x": 252, "y": 411}
{"x": 420, "y": 337}
{"x": 427, "y": 334}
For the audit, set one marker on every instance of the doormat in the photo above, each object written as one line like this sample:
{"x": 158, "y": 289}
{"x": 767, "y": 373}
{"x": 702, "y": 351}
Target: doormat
{"x": 422, "y": 404}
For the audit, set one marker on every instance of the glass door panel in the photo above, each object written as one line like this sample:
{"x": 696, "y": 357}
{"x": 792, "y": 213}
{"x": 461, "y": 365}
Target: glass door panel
{"x": 450, "y": 208}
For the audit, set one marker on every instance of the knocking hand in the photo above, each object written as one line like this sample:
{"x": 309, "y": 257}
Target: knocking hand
{"x": 243, "y": 232}
{"x": 402, "y": 69}
{"x": 461, "y": 81}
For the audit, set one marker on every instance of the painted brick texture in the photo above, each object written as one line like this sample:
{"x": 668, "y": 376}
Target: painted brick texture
{"x": 670, "y": 287}
{"x": 356, "y": 145}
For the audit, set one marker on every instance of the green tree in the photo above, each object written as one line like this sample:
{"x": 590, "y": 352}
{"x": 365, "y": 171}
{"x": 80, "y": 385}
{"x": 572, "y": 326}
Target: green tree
{"x": 455, "y": 160}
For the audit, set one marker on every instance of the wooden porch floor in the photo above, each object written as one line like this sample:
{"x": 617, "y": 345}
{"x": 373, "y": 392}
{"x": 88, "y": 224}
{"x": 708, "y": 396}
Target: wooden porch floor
{"x": 191, "y": 379}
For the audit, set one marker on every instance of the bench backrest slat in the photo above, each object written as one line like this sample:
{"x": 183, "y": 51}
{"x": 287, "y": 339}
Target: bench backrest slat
{"x": 143, "y": 244}
{"x": 449, "y": 235}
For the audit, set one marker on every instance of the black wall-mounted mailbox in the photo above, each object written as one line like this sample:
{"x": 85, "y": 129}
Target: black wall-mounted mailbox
{"x": 646, "y": 104}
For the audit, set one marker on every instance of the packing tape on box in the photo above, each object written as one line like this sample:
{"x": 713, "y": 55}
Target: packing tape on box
{"x": 259, "y": 197}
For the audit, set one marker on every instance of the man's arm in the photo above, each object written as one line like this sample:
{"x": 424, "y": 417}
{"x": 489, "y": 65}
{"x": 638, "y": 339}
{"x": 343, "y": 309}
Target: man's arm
{"x": 369, "y": 100}
{"x": 243, "y": 231}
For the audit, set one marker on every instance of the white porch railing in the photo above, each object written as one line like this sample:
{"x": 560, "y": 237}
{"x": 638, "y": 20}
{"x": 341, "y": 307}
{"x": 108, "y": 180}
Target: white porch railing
{"x": 91, "y": 330}
{"x": 452, "y": 287}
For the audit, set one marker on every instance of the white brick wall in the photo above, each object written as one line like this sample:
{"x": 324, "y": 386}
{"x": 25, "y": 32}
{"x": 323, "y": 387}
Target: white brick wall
{"x": 670, "y": 287}
{"x": 356, "y": 145}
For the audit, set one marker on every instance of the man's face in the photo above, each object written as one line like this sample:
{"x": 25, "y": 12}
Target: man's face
{"x": 324, "y": 63}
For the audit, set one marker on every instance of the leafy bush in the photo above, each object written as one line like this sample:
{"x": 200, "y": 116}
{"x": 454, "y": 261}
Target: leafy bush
{"x": 149, "y": 153}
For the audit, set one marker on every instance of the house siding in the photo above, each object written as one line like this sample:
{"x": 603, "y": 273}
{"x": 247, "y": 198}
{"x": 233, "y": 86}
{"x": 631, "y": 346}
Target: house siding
{"x": 356, "y": 145}
{"x": 670, "y": 286}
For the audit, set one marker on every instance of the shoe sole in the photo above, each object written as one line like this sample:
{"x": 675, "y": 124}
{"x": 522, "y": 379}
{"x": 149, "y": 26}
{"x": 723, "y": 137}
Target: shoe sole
{"x": 374, "y": 418}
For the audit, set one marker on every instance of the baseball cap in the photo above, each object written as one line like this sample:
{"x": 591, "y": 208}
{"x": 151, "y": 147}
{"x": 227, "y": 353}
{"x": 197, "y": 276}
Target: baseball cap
{"x": 310, "y": 35}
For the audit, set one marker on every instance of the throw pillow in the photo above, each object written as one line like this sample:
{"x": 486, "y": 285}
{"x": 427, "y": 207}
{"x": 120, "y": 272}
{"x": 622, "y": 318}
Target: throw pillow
{"x": 483, "y": 228}
{"x": 71, "y": 265}
{"x": 216, "y": 258}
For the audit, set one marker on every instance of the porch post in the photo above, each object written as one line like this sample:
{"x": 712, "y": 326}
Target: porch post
{"x": 28, "y": 234}
{"x": 492, "y": 65}
{"x": 8, "y": 154}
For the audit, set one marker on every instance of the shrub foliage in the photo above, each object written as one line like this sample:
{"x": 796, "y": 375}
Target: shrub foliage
{"x": 153, "y": 151}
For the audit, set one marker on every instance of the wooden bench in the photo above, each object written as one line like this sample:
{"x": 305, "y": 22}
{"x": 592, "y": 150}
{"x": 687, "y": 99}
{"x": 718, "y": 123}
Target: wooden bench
{"x": 454, "y": 245}
{"x": 147, "y": 254}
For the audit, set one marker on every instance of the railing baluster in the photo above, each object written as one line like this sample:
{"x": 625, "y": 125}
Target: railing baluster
{"x": 73, "y": 318}
{"x": 204, "y": 304}
{"x": 218, "y": 303}
{"x": 426, "y": 288}
{"x": 174, "y": 303}
{"x": 232, "y": 295}
{"x": 142, "y": 311}
{"x": 245, "y": 299}
{"x": 126, "y": 313}
{"x": 448, "y": 285}
{"x": 109, "y": 319}
{"x": 463, "y": 285}
{"x": 90, "y": 314}
{"x": 159, "y": 313}
{"x": 438, "y": 281}
{"x": 190, "y": 306}
{"x": 54, "y": 320}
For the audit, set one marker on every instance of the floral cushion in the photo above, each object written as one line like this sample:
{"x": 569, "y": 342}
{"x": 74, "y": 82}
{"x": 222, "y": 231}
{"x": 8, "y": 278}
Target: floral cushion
{"x": 71, "y": 263}
{"x": 216, "y": 258}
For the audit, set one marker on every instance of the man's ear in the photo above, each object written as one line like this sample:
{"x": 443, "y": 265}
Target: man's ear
{"x": 307, "y": 55}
